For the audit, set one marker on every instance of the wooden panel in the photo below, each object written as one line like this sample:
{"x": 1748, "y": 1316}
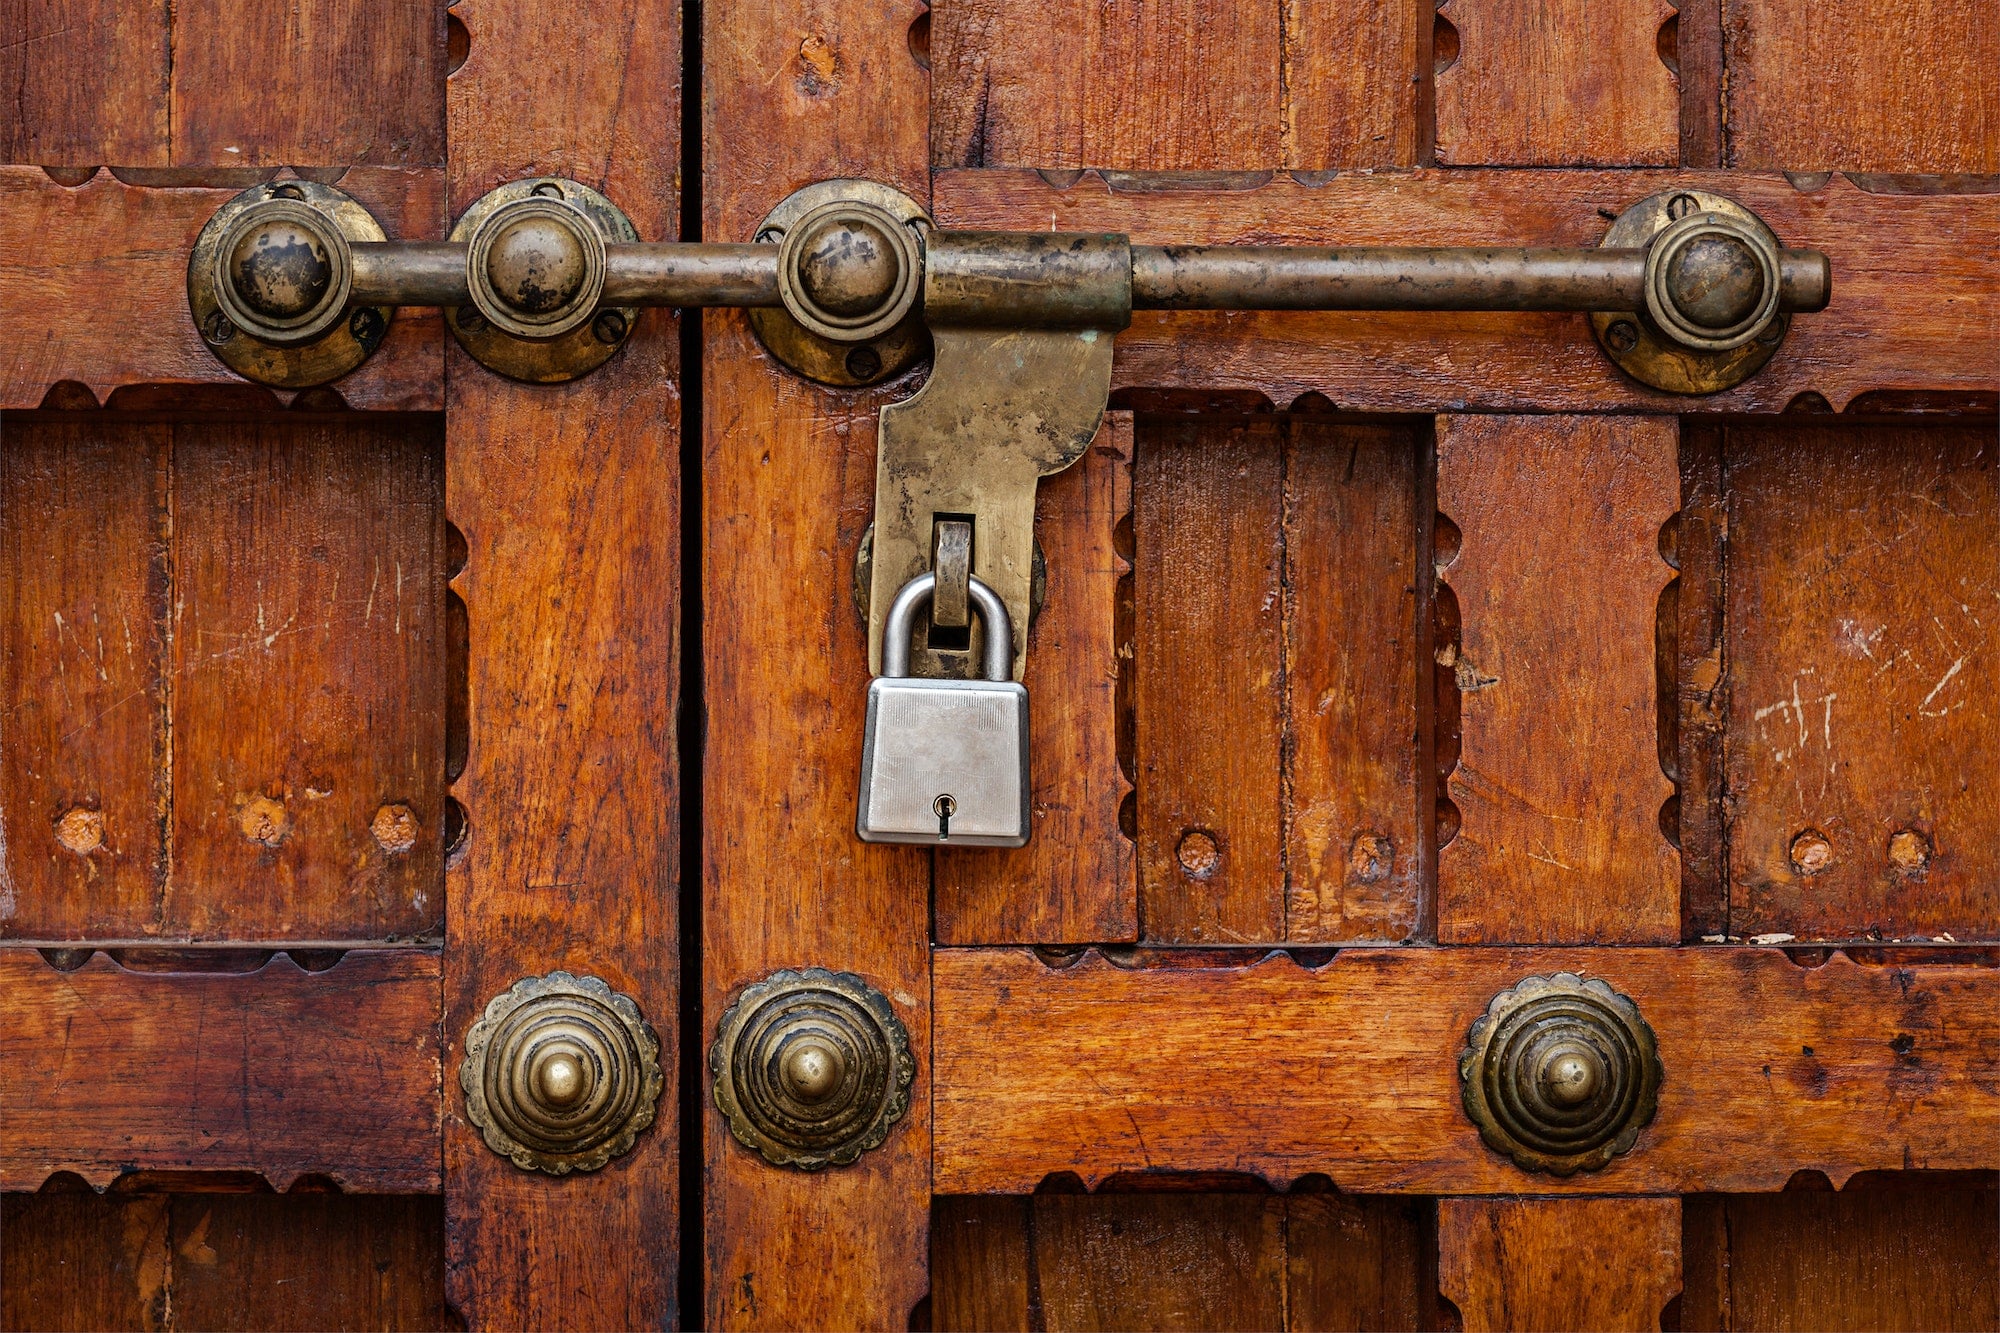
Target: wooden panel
{"x": 1350, "y": 1069}
{"x": 308, "y": 694}
{"x": 337, "y": 82}
{"x": 1358, "y": 1263}
{"x": 1208, "y": 675}
{"x": 1074, "y": 881}
{"x": 1187, "y": 86}
{"x": 1567, "y": 83}
{"x": 87, "y": 81}
{"x": 1911, "y": 310}
{"x": 109, "y": 258}
{"x": 790, "y": 97}
{"x": 1160, "y": 1261}
{"x": 1862, "y": 714}
{"x": 569, "y": 501}
{"x": 981, "y": 1278}
{"x": 1701, "y": 544}
{"x": 1352, "y": 864}
{"x": 1558, "y": 576}
{"x": 222, "y": 1261}
{"x": 1906, "y": 1254}
{"x": 277, "y": 1071}
{"x": 83, "y": 562}
{"x": 1898, "y": 85}
{"x": 1607, "y": 1264}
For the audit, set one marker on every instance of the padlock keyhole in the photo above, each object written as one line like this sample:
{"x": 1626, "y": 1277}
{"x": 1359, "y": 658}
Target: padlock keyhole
{"x": 944, "y": 807}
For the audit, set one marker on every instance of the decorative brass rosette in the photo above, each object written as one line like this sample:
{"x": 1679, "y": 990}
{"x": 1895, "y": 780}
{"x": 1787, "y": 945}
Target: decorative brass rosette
{"x": 811, "y": 1068}
{"x": 561, "y": 1073}
{"x": 1560, "y": 1074}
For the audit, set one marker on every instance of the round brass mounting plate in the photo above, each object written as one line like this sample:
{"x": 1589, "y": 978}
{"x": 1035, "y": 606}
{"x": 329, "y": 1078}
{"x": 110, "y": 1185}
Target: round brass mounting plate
{"x": 1560, "y": 1074}
{"x": 845, "y": 365}
{"x": 561, "y": 1073}
{"x": 350, "y": 338}
{"x": 1635, "y": 342}
{"x": 811, "y": 1068}
{"x": 581, "y": 349}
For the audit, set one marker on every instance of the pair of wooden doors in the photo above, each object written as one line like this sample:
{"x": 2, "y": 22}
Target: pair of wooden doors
{"x": 1387, "y": 662}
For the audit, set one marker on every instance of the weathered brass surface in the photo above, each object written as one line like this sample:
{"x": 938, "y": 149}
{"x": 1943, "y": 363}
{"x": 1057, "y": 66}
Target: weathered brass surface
{"x": 958, "y": 662}
{"x": 1560, "y": 1074}
{"x": 271, "y": 285}
{"x": 1717, "y": 293}
{"x": 561, "y": 1073}
{"x": 811, "y": 1068}
{"x": 535, "y": 270}
{"x": 850, "y": 283}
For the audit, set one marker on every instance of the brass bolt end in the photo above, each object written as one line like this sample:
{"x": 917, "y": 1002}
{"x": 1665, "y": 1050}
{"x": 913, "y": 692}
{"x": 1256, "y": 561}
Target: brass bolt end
{"x": 280, "y": 268}
{"x": 536, "y": 264}
{"x": 848, "y": 267}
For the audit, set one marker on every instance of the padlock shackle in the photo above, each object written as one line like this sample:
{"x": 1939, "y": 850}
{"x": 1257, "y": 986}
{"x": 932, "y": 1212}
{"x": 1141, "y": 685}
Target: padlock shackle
{"x": 896, "y": 628}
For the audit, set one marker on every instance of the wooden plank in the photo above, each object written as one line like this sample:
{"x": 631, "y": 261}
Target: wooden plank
{"x": 1563, "y": 83}
{"x": 1862, "y": 716}
{"x": 1557, "y": 580}
{"x": 1912, "y": 276}
{"x": 1351, "y": 653}
{"x": 1208, "y": 673}
{"x": 1588, "y": 1264}
{"x": 1074, "y": 882}
{"x": 1190, "y": 86}
{"x": 1901, "y": 86}
{"x": 1905, "y": 1252}
{"x": 569, "y": 501}
{"x": 787, "y": 490}
{"x": 1701, "y": 539}
{"x": 83, "y": 564}
{"x": 338, "y": 83}
{"x": 980, "y": 1266}
{"x": 1358, "y": 1263}
{"x": 1160, "y": 1261}
{"x": 87, "y": 81}
{"x": 278, "y": 1071}
{"x": 85, "y": 1262}
{"x": 308, "y": 691}
{"x": 96, "y": 287}
{"x": 1351, "y": 1069}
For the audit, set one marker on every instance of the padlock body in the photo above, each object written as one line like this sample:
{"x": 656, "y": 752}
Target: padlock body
{"x": 967, "y": 739}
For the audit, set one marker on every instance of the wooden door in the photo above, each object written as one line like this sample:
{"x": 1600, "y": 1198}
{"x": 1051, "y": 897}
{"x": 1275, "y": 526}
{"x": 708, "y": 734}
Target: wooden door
{"x": 1387, "y": 662}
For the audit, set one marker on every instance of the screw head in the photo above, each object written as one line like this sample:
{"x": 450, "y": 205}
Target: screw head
{"x": 864, "y": 363}
{"x": 280, "y": 269}
{"x": 608, "y": 327}
{"x": 1623, "y": 336}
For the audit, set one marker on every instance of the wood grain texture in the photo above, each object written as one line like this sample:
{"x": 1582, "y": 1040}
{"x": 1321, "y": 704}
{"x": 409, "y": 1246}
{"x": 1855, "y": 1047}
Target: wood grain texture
{"x": 85, "y": 82}
{"x": 95, "y": 285}
{"x": 222, "y": 1261}
{"x": 569, "y": 501}
{"x": 1910, "y": 310}
{"x": 1354, "y": 1263}
{"x": 1862, "y": 714}
{"x": 278, "y": 1071}
{"x": 1186, "y": 86}
{"x": 1350, "y": 1069}
{"x": 1074, "y": 882}
{"x": 1701, "y": 540}
{"x": 790, "y": 97}
{"x": 1209, "y": 683}
{"x": 1160, "y": 1261}
{"x": 1559, "y": 1264}
{"x": 1558, "y": 786}
{"x": 1897, "y": 85}
{"x": 981, "y": 1275}
{"x": 1563, "y": 83}
{"x": 1906, "y": 1252}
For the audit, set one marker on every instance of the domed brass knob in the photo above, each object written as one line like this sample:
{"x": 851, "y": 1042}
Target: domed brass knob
{"x": 561, "y": 1073}
{"x": 283, "y": 270}
{"x": 1560, "y": 1074}
{"x": 536, "y": 264}
{"x": 1712, "y": 280}
{"x": 849, "y": 271}
{"x": 535, "y": 267}
{"x": 811, "y": 1068}
{"x": 279, "y": 267}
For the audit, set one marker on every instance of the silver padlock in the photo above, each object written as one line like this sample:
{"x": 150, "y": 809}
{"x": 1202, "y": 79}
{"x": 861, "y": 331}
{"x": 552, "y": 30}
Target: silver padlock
{"x": 945, "y": 762}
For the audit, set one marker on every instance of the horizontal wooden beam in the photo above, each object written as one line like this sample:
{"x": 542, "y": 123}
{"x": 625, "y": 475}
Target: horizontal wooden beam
{"x": 94, "y": 290}
{"x": 280, "y": 1071}
{"x": 1275, "y": 1069}
{"x": 1913, "y": 275}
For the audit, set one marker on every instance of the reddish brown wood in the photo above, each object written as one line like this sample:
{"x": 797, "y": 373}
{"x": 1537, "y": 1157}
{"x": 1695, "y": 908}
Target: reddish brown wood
{"x": 1350, "y": 1069}
{"x": 1556, "y": 1264}
{"x": 1862, "y": 720}
{"x": 85, "y": 1262}
{"x": 787, "y": 490}
{"x": 569, "y": 501}
{"x": 1899, "y": 85}
{"x": 981, "y": 1276}
{"x": 1701, "y": 544}
{"x": 1567, "y": 83}
{"x": 1912, "y": 276}
{"x": 1209, "y": 683}
{"x": 1558, "y": 786}
{"x": 1074, "y": 881}
{"x": 86, "y": 82}
{"x": 1358, "y": 1263}
{"x": 279, "y": 1071}
{"x": 95, "y": 286}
